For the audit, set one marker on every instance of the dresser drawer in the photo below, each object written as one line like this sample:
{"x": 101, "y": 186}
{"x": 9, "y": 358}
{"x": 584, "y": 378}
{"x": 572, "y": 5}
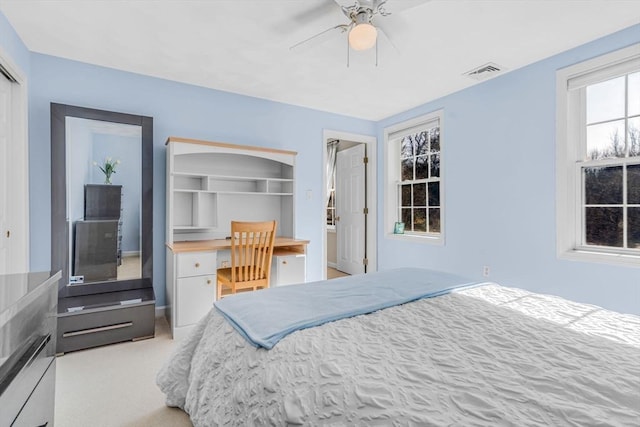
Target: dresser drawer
{"x": 196, "y": 264}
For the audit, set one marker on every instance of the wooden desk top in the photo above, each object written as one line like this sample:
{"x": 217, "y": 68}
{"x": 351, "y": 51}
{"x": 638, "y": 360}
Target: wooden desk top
{"x": 291, "y": 244}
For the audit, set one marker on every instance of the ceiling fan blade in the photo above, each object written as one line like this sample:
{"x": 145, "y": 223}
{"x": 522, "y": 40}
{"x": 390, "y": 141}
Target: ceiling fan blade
{"x": 385, "y": 35}
{"x": 394, "y": 7}
{"x": 307, "y": 16}
{"x": 320, "y": 38}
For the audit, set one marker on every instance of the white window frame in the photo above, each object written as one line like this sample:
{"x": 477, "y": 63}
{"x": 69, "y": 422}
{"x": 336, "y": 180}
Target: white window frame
{"x": 392, "y": 174}
{"x": 570, "y": 148}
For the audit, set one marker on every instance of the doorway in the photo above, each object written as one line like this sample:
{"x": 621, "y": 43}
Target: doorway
{"x": 349, "y": 210}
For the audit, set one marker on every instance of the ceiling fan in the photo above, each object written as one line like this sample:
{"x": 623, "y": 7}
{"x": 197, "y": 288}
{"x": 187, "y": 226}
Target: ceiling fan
{"x": 366, "y": 20}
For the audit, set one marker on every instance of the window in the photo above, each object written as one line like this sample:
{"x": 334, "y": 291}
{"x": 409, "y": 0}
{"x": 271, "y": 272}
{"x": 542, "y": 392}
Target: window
{"x": 599, "y": 158}
{"x": 414, "y": 181}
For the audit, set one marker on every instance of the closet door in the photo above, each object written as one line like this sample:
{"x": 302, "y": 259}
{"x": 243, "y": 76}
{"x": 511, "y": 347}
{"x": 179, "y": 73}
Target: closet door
{"x": 14, "y": 172}
{"x": 5, "y": 132}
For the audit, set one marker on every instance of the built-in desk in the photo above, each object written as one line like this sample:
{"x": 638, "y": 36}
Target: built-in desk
{"x": 191, "y": 275}
{"x": 280, "y": 245}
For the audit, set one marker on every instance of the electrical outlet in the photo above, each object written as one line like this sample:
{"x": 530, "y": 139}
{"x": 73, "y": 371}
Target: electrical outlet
{"x": 225, "y": 264}
{"x": 485, "y": 271}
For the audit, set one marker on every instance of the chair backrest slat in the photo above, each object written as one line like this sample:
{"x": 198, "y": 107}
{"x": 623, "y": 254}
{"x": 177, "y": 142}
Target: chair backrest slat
{"x": 251, "y": 250}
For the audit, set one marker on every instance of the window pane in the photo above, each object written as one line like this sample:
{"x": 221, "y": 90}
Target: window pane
{"x": 405, "y": 191}
{"x": 434, "y": 220}
{"x": 434, "y": 194}
{"x": 633, "y": 184}
{"x": 420, "y": 195}
{"x": 406, "y": 218}
{"x": 421, "y": 143}
{"x": 603, "y": 186}
{"x": 634, "y": 137}
{"x": 605, "y": 101}
{"x": 407, "y": 169}
{"x": 435, "y": 165}
{"x": 604, "y": 226}
{"x": 422, "y": 167}
{"x": 406, "y": 147}
{"x": 329, "y": 216}
{"x": 633, "y": 230}
{"x": 634, "y": 94}
{"x": 605, "y": 140}
{"x": 434, "y": 134}
{"x": 420, "y": 219}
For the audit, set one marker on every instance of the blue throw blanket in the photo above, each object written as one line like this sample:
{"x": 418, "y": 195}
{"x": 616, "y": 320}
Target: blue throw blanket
{"x": 265, "y": 317}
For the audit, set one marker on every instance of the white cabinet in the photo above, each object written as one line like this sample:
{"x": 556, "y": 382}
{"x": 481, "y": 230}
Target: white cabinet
{"x": 192, "y": 278}
{"x": 288, "y": 269}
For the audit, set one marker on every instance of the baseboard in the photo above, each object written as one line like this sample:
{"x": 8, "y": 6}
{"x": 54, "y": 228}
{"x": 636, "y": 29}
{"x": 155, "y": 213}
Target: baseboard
{"x": 332, "y": 265}
{"x": 161, "y": 311}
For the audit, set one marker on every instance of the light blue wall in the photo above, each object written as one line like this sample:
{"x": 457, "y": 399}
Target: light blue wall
{"x": 180, "y": 110}
{"x": 11, "y": 46}
{"x": 499, "y": 171}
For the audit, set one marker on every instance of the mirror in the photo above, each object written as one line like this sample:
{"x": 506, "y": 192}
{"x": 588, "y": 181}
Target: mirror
{"x": 101, "y": 200}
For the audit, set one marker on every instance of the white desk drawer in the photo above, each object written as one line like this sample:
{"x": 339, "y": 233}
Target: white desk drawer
{"x": 196, "y": 264}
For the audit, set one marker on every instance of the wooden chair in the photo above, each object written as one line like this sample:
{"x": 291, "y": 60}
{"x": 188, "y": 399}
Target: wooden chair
{"x": 251, "y": 253}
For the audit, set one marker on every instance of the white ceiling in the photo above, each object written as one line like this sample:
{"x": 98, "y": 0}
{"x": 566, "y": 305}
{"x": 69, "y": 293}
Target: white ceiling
{"x": 242, "y": 46}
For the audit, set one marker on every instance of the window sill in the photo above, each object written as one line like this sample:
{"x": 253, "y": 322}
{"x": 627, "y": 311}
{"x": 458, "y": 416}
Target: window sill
{"x": 601, "y": 257}
{"x": 417, "y": 238}
{"x": 331, "y": 228}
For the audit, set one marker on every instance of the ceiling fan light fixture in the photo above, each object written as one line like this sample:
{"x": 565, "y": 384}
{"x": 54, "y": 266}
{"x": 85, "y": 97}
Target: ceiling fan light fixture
{"x": 363, "y": 36}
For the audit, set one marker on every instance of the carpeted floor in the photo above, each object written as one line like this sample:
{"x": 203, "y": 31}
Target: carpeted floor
{"x": 114, "y": 386}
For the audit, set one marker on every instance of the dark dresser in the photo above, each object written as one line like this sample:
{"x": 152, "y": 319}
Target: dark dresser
{"x": 28, "y": 306}
{"x": 97, "y": 251}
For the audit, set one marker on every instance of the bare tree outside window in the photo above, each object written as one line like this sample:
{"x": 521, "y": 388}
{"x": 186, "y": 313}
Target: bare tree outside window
{"x": 419, "y": 186}
{"x": 611, "y": 191}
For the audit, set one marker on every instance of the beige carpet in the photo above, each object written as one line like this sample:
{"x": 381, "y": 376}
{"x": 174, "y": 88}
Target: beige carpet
{"x": 114, "y": 385}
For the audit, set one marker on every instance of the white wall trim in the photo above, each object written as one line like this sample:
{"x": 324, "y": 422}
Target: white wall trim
{"x": 161, "y": 311}
{"x": 372, "y": 201}
{"x": 569, "y": 137}
{"x": 390, "y": 206}
{"x": 19, "y": 165}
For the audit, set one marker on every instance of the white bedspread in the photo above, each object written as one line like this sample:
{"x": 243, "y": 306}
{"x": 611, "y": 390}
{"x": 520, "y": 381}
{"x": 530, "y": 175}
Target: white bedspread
{"x": 488, "y": 356}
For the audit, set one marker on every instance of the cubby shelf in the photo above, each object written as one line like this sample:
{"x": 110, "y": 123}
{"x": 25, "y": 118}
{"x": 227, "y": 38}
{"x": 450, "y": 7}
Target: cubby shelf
{"x": 211, "y": 184}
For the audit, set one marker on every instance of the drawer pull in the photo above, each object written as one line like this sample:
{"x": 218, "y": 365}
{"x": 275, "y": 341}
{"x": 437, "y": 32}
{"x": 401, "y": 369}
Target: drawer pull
{"x": 208, "y": 281}
{"x": 197, "y": 264}
{"x": 284, "y": 262}
{"x": 94, "y": 330}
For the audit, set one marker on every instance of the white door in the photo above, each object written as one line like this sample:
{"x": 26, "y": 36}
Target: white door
{"x": 5, "y": 132}
{"x": 350, "y": 209}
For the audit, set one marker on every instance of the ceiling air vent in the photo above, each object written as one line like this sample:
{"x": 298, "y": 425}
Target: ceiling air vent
{"x": 485, "y": 71}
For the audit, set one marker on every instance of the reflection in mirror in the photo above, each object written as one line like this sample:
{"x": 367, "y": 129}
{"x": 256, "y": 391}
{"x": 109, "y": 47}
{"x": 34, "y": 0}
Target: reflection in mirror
{"x": 104, "y": 182}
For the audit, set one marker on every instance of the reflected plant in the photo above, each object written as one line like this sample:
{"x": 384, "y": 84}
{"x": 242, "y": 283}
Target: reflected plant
{"x": 108, "y": 168}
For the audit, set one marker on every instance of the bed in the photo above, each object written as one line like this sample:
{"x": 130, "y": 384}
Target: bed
{"x": 458, "y": 353}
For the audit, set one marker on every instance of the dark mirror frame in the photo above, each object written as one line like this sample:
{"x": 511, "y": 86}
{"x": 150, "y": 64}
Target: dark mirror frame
{"x": 60, "y": 251}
